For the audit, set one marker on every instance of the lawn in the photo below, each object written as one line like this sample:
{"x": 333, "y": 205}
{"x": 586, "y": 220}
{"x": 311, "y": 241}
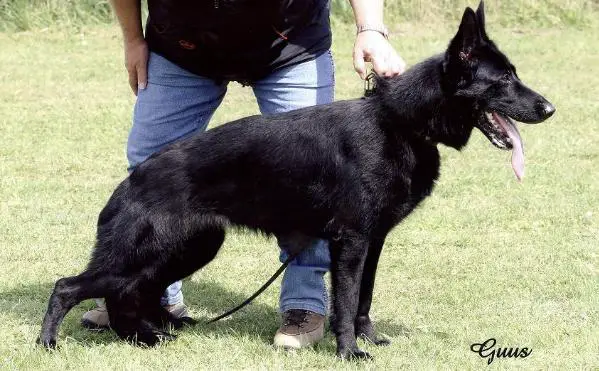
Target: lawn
{"x": 484, "y": 257}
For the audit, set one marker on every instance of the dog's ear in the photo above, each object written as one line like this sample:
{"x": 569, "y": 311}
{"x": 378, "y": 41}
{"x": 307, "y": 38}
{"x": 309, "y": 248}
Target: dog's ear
{"x": 480, "y": 16}
{"x": 467, "y": 38}
{"x": 460, "y": 58}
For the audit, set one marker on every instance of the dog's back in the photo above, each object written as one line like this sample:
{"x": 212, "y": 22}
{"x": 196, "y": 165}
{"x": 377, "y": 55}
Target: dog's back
{"x": 291, "y": 172}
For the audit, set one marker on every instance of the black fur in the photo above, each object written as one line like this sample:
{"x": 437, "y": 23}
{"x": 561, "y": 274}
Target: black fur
{"x": 347, "y": 172}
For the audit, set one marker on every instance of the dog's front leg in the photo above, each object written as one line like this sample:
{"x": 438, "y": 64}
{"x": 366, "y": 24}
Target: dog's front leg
{"x": 363, "y": 324}
{"x": 348, "y": 255}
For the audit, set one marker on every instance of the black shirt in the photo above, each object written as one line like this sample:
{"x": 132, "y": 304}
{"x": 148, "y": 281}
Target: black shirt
{"x": 241, "y": 40}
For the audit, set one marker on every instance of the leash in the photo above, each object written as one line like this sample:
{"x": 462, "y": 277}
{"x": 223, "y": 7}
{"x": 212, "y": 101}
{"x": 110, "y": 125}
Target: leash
{"x": 370, "y": 84}
{"x": 258, "y": 292}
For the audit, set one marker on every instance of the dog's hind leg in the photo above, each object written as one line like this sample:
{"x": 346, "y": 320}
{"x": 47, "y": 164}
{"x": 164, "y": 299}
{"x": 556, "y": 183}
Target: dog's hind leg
{"x": 133, "y": 319}
{"x": 194, "y": 253}
{"x": 198, "y": 250}
{"x": 154, "y": 313}
{"x": 363, "y": 323}
{"x": 138, "y": 315}
{"x": 67, "y": 293}
{"x": 160, "y": 317}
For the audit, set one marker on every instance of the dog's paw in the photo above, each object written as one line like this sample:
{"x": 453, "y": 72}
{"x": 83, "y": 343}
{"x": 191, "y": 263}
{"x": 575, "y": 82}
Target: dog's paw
{"x": 46, "y": 342}
{"x": 183, "y": 321}
{"x": 365, "y": 331}
{"x": 353, "y": 354}
{"x": 375, "y": 339}
{"x": 165, "y": 336}
{"x": 152, "y": 338}
{"x": 382, "y": 342}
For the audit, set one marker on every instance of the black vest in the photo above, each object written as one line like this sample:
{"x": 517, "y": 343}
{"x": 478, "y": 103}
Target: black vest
{"x": 242, "y": 40}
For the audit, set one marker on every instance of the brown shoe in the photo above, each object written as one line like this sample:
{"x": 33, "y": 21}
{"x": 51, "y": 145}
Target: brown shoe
{"x": 300, "y": 328}
{"x": 97, "y": 318}
{"x": 178, "y": 310}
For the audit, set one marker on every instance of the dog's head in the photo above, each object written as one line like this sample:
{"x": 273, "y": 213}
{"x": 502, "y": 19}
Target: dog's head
{"x": 476, "y": 74}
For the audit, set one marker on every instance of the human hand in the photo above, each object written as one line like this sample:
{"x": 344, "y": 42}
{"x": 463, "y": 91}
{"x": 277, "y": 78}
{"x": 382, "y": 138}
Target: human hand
{"x": 371, "y": 46}
{"x": 136, "y": 62}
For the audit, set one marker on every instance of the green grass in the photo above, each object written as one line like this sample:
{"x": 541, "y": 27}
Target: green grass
{"x": 22, "y": 15}
{"x": 483, "y": 257}
{"x": 512, "y": 13}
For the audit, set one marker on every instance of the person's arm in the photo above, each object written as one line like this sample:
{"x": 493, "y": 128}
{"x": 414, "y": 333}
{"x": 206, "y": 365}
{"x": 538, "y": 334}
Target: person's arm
{"x": 371, "y": 41}
{"x": 128, "y": 13}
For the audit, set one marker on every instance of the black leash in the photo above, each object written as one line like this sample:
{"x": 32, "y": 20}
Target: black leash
{"x": 370, "y": 84}
{"x": 260, "y": 290}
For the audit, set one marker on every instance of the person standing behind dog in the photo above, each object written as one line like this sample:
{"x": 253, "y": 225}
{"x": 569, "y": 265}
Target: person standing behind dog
{"x": 281, "y": 48}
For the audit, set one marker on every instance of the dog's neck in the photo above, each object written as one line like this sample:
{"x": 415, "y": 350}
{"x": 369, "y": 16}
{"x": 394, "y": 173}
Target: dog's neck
{"x": 414, "y": 103}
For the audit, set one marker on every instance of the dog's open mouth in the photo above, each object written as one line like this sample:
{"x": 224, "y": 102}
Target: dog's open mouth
{"x": 503, "y": 133}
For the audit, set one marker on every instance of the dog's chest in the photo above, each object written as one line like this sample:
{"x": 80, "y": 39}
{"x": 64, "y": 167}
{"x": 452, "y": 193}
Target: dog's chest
{"x": 425, "y": 172}
{"x": 414, "y": 182}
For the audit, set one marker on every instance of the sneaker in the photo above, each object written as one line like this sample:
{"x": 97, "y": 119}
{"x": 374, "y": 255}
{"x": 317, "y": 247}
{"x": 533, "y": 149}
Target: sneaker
{"x": 178, "y": 310}
{"x": 300, "y": 328}
{"x": 97, "y": 318}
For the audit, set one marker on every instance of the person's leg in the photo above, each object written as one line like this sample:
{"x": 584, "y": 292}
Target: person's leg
{"x": 174, "y": 105}
{"x": 303, "y": 299}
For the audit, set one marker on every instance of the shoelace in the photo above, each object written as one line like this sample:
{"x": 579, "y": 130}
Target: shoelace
{"x": 296, "y": 317}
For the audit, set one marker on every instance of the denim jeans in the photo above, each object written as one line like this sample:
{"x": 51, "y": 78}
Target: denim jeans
{"x": 177, "y": 103}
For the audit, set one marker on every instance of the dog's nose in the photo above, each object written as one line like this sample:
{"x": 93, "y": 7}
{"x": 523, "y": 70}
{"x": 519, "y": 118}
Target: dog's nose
{"x": 546, "y": 109}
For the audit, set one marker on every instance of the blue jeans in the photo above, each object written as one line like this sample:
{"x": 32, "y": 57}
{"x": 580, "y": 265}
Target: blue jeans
{"x": 177, "y": 104}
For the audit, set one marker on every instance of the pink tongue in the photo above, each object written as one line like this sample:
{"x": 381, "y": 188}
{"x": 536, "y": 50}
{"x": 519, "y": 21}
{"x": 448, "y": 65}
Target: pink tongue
{"x": 517, "y": 150}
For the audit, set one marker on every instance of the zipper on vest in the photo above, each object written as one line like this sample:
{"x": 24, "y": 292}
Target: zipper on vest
{"x": 216, "y": 4}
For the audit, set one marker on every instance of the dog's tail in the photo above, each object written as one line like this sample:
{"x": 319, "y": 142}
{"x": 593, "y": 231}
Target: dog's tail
{"x": 260, "y": 290}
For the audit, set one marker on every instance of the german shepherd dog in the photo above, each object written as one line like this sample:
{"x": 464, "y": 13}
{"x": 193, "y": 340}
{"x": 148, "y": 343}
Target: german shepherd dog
{"x": 346, "y": 172}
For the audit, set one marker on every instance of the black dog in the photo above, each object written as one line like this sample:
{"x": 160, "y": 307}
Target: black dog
{"x": 346, "y": 172}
